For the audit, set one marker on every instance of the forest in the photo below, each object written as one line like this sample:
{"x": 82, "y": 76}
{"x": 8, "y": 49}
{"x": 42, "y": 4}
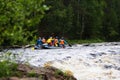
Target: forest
{"x": 22, "y": 21}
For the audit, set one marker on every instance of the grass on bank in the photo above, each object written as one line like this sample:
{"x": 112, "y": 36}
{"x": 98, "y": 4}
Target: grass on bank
{"x": 84, "y": 41}
{"x": 8, "y": 69}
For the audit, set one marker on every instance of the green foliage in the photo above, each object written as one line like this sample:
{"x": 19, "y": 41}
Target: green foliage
{"x": 32, "y": 74}
{"x": 58, "y": 18}
{"x": 84, "y": 41}
{"x": 7, "y": 69}
{"x": 66, "y": 75}
{"x": 83, "y": 19}
{"x": 19, "y": 20}
{"x": 110, "y": 25}
{"x": 22, "y": 20}
{"x": 58, "y": 72}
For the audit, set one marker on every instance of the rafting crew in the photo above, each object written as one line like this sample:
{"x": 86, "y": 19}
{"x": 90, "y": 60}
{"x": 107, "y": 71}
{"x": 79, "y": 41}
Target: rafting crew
{"x": 51, "y": 42}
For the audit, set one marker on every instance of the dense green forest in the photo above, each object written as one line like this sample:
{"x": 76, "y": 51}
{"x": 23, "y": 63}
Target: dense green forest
{"x": 22, "y": 21}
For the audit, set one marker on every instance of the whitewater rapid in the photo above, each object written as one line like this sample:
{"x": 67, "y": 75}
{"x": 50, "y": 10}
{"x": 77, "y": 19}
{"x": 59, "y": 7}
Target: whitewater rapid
{"x": 99, "y": 61}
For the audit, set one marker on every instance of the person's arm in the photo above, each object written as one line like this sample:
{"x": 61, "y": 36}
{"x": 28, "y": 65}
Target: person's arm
{"x": 65, "y": 42}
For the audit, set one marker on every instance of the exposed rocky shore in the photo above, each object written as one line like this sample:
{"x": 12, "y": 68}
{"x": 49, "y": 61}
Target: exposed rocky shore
{"x": 25, "y": 72}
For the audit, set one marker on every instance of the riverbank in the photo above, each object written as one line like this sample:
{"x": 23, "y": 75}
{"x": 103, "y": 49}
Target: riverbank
{"x": 24, "y": 72}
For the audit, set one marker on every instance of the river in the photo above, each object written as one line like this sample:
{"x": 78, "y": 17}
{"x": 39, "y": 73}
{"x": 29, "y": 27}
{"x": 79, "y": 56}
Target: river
{"x": 96, "y": 61}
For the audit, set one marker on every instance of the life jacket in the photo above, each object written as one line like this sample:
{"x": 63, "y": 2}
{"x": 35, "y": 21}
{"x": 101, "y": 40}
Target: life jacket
{"x": 55, "y": 41}
{"x": 62, "y": 42}
{"x": 49, "y": 40}
{"x": 39, "y": 42}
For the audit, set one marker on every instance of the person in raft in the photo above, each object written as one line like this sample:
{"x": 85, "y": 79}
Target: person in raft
{"x": 62, "y": 42}
{"x": 49, "y": 41}
{"x": 39, "y": 43}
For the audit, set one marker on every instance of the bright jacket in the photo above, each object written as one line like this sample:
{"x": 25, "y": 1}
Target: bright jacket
{"x": 62, "y": 41}
{"x": 49, "y": 40}
{"x": 39, "y": 42}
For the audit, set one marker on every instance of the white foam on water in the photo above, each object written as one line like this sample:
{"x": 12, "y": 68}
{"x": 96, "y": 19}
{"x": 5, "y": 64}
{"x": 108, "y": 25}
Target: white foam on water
{"x": 78, "y": 60}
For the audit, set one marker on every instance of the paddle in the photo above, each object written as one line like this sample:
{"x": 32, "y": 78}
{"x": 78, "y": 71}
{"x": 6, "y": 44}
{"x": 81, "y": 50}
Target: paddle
{"x": 69, "y": 45}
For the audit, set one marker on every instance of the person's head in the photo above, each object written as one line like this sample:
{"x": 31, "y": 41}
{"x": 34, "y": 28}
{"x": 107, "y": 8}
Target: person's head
{"x": 62, "y": 37}
{"x": 43, "y": 38}
{"x": 56, "y": 37}
{"x": 50, "y": 37}
{"x": 39, "y": 38}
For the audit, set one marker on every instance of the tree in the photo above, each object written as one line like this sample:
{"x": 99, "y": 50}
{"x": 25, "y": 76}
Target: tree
{"x": 88, "y": 17}
{"x": 19, "y": 20}
{"x": 58, "y": 19}
{"x": 110, "y": 23}
{"x": 83, "y": 19}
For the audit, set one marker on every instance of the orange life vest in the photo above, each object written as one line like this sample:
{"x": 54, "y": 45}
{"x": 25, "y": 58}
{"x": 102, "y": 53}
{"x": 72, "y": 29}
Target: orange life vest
{"x": 62, "y": 42}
